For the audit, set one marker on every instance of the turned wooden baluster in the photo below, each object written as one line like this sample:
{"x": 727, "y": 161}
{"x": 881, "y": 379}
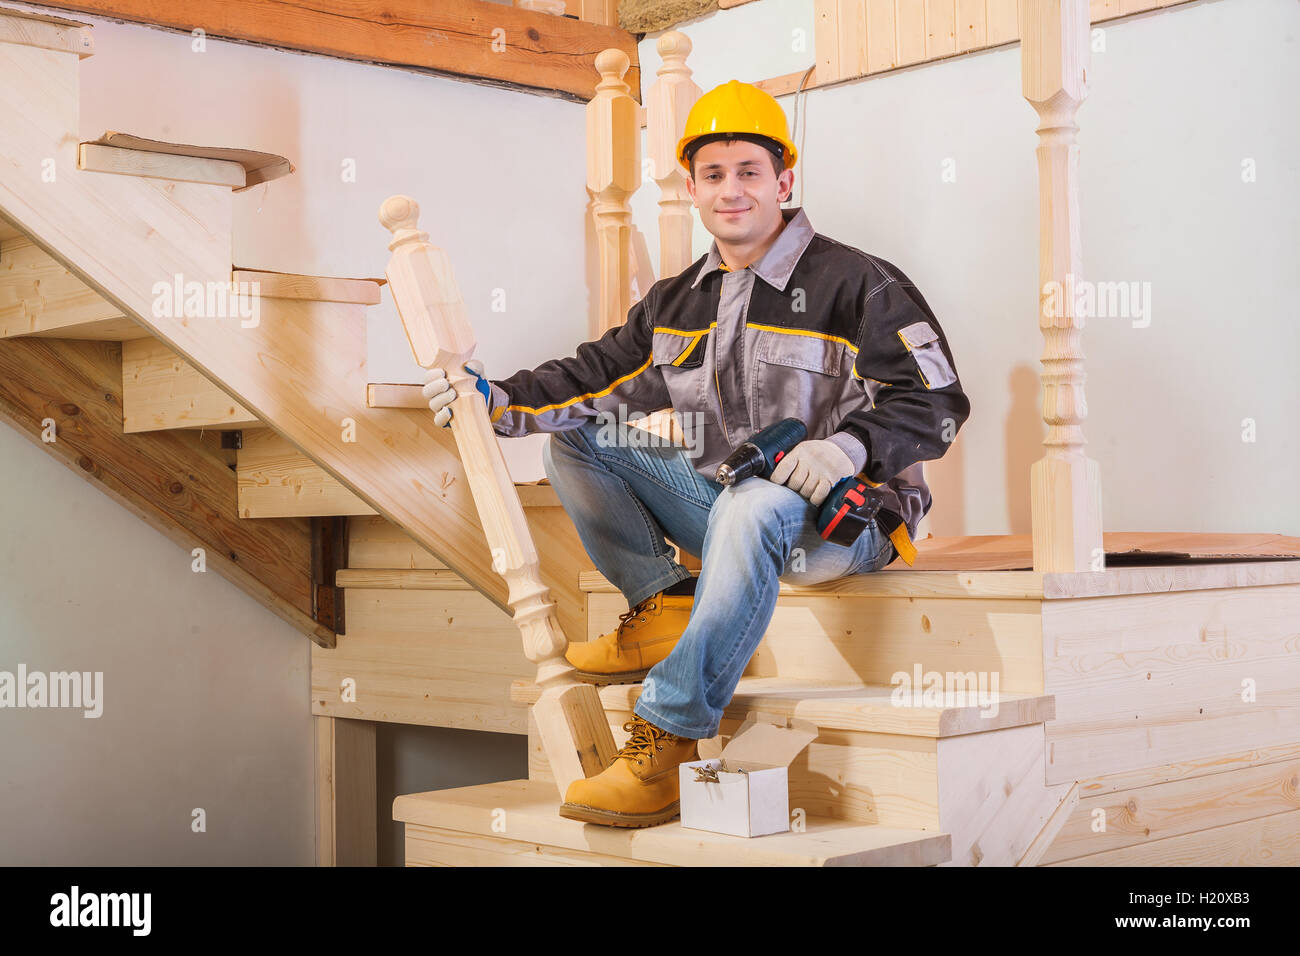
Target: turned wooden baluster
{"x": 570, "y": 718}
{"x": 1065, "y": 483}
{"x": 613, "y": 154}
{"x": 670, "y": 100}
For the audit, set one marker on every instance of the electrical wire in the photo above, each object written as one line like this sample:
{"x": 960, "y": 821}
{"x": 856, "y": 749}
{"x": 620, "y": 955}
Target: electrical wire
{"x": 795, "y": 129}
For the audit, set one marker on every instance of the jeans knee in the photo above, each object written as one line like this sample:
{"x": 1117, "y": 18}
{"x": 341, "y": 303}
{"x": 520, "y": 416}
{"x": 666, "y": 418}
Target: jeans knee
{"x": 756, "y": 503}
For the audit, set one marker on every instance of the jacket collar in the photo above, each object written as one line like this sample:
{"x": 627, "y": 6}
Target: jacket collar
{"x": 779, "y": 261}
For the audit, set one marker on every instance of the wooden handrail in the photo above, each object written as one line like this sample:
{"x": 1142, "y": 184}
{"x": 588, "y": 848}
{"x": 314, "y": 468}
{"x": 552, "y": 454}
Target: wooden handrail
{"x": 1065, "y": 483}
{"x": 571, "y": 721}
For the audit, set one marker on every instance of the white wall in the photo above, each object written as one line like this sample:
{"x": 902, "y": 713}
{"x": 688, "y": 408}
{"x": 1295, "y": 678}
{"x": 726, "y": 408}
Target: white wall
{"x": 205, "y": 692}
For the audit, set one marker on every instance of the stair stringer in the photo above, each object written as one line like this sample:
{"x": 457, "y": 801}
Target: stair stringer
{"x": 994, "y": 798}
{"x": 297, "y": 370}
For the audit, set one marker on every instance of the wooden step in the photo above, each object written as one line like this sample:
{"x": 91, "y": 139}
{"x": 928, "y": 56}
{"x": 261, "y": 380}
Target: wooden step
{"x": 849, "y": 707}
{"x": 162, "y": 391}
{"x": 461, "y": 827}
{"x": 40, "y": 297}
{"x": 863, "y": 629}
{"x": 124, "y": 154}
{"x": 276, "y": 480}
{"x": 947, "y": 768}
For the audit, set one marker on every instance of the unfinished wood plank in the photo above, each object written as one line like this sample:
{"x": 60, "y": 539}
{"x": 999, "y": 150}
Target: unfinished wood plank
{"x": 436, "y": 846}
{"x": 833, "y": 705}
{"x": 910, "y": 32}
{"x": 346, "y": 786}
{"x": 882, "y": 36}
{"x": 493, "y": 43}
{"x": 258, "y": 167}
{"x": 1155, "y": 679}
{"x": 443, "y": 658}
{"x": 287, "y": 285}
{"x": 136, "y": 162}
{"x": 1008, "y": 585}
{"x": 40, "y": 297}
{"x": 826, "y": 38}
{"x": 46, "y": 32}
{"x": 277, "y": 481}
{"x": 872, "y": 640}
{"x": 1133, "y": 817}
{"x": 972, "y": 25}
{"x": 940, "y": 28}
{"x": 531, "y": 808}
{"x": 1265, "y": 841}
{"x": 174, "y": 481}
{"x": 160, "y": 391}
{"x": 1003, "y": 21}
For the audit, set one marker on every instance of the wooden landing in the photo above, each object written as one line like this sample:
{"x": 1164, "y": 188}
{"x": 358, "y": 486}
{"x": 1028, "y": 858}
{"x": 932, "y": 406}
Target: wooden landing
{"x": 1012, "y": 552}
{"x": 464, "y": 827}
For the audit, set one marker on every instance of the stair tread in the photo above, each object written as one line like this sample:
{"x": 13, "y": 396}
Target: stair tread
{"x": 259, "y": 167}
{"x": 867, "y": 708}
{"x": 531, "y": 810}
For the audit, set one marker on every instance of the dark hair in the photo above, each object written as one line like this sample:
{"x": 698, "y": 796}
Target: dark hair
{"x": 775, "y": 150}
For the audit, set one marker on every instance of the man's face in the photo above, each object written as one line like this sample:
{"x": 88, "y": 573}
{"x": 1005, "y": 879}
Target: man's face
{"x": 737, "y": 191}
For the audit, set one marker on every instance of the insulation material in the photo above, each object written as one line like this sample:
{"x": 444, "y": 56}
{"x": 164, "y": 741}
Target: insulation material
{"x": 648, "y": 16}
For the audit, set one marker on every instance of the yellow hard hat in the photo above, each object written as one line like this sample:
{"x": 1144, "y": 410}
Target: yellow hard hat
{"x": 740, "y": 108}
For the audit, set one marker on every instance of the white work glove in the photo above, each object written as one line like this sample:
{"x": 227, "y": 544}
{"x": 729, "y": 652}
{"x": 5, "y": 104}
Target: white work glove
{"x": 440, "y": 393}
{"x": 812, "y": 468}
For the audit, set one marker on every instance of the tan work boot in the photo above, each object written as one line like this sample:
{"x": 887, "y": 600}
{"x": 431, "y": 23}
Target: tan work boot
{"x": 645, "y": 635}
{"x": 640, "y": 788}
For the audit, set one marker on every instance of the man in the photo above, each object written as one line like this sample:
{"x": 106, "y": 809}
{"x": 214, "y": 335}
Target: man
{"x": 775, "y": 321}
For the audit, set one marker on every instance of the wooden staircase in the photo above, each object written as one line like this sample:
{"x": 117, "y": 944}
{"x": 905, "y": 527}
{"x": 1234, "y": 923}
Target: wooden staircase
{"x": 1118, "y": 692}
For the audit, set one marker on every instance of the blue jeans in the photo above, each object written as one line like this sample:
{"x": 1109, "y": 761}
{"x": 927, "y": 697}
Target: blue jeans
{"x": 625, "y": 499}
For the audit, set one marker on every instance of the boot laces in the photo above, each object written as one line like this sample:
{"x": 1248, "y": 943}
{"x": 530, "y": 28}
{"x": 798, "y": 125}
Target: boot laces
{"x": 646, "y": 737}
{"x": 626, "y": 622}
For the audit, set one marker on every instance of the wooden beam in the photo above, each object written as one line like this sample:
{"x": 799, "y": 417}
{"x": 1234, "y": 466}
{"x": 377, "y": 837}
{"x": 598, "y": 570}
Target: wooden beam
{"x": 276, "y": 480}
{"x": 491, "y": 43}
{"x": 329, "y": 554}
{"x": 175, "y": 481}
{"x": 347, "y": 831}
{"x": 46, "y": 32}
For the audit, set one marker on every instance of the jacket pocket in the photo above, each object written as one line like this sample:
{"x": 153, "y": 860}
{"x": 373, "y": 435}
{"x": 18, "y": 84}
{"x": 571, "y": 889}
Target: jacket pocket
{"x": 922, "y": 341}
{"x": 809, "y": 352}
{"x": 796, "y": 376}
{"x": 678, "y": 350}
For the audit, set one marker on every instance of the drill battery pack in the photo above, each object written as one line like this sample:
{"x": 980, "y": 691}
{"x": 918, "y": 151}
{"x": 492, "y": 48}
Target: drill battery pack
{"x": 851, "y": 507}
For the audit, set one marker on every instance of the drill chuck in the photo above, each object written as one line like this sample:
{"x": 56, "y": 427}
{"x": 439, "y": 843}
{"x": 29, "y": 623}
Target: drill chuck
{"x": 759, "y": 455}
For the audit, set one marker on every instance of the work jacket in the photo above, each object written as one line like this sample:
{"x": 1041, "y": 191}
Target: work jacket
{"x": 814, "y": 330}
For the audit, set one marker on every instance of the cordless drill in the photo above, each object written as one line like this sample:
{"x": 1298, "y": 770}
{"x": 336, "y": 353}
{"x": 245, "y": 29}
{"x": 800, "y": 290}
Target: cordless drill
{"x": 848, "y": 510}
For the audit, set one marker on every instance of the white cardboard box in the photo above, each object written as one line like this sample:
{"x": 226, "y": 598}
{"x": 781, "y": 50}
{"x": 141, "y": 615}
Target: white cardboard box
{"x": 753, "y": 802}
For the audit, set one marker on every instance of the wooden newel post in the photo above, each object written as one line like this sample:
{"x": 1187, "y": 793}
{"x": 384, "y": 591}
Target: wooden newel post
{"x": 613, "y": 174}
{"x": 668, "y": 104}
{"x": 570, "y": 718}
{"x": 1065, "y": 483}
